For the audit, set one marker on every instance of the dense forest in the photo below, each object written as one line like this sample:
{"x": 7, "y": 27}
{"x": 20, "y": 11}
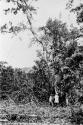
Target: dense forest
{"x": 59, "y": 67}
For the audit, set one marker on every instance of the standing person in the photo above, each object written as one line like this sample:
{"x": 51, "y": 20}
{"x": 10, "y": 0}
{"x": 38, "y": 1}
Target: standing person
{"x": 57, "y": 80}
{"x": 51, "y": 100}
{"x": 67, "y": 101}
{"x": 56, "y": 97}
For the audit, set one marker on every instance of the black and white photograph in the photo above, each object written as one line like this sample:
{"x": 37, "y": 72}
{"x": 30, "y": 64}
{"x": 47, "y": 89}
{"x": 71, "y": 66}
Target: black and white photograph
{"x": 41, "y": 62}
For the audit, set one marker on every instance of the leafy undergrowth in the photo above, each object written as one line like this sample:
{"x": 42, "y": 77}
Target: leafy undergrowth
{"x": 32, "y": 113}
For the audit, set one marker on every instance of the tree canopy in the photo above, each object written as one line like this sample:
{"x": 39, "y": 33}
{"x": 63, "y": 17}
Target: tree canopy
{"x": 78, "y": 9}
{"x": 23, "y": 6}
{"x": 62, "y": 55}
{"x": 59, "y": 67}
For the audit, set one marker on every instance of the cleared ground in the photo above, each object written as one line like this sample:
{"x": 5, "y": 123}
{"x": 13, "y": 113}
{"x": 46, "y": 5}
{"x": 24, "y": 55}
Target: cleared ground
{"x": 32, "y": 114}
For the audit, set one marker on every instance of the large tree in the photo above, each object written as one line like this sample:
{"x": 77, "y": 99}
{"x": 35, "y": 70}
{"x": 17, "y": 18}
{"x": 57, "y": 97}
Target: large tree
{"x": 64, "y": 57}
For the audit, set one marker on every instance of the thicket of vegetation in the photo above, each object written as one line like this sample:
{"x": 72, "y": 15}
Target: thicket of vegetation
{"x": 60, "y": 66}
{"x": 15, "y": 83}
{"x": 61, "y": 61}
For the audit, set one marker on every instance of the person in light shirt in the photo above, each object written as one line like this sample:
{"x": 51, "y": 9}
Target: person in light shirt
{"x": 56, "y": 99}
{"x": 51, "y": 100}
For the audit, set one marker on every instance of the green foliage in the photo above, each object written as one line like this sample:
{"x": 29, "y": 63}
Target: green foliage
{"x": 15, "y": 83}
{"x": 77, "y": 9}
{"x": 41, "y": 78}
{"x": 64, "y": 59}
{"x": 59, "y": 67}
{"x": 7, "y": 79}
{"x": 19, "y": 6}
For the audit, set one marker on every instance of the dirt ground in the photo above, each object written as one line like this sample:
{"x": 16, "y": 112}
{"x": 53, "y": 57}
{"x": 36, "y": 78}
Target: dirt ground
{"x": 32, "y": 114}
